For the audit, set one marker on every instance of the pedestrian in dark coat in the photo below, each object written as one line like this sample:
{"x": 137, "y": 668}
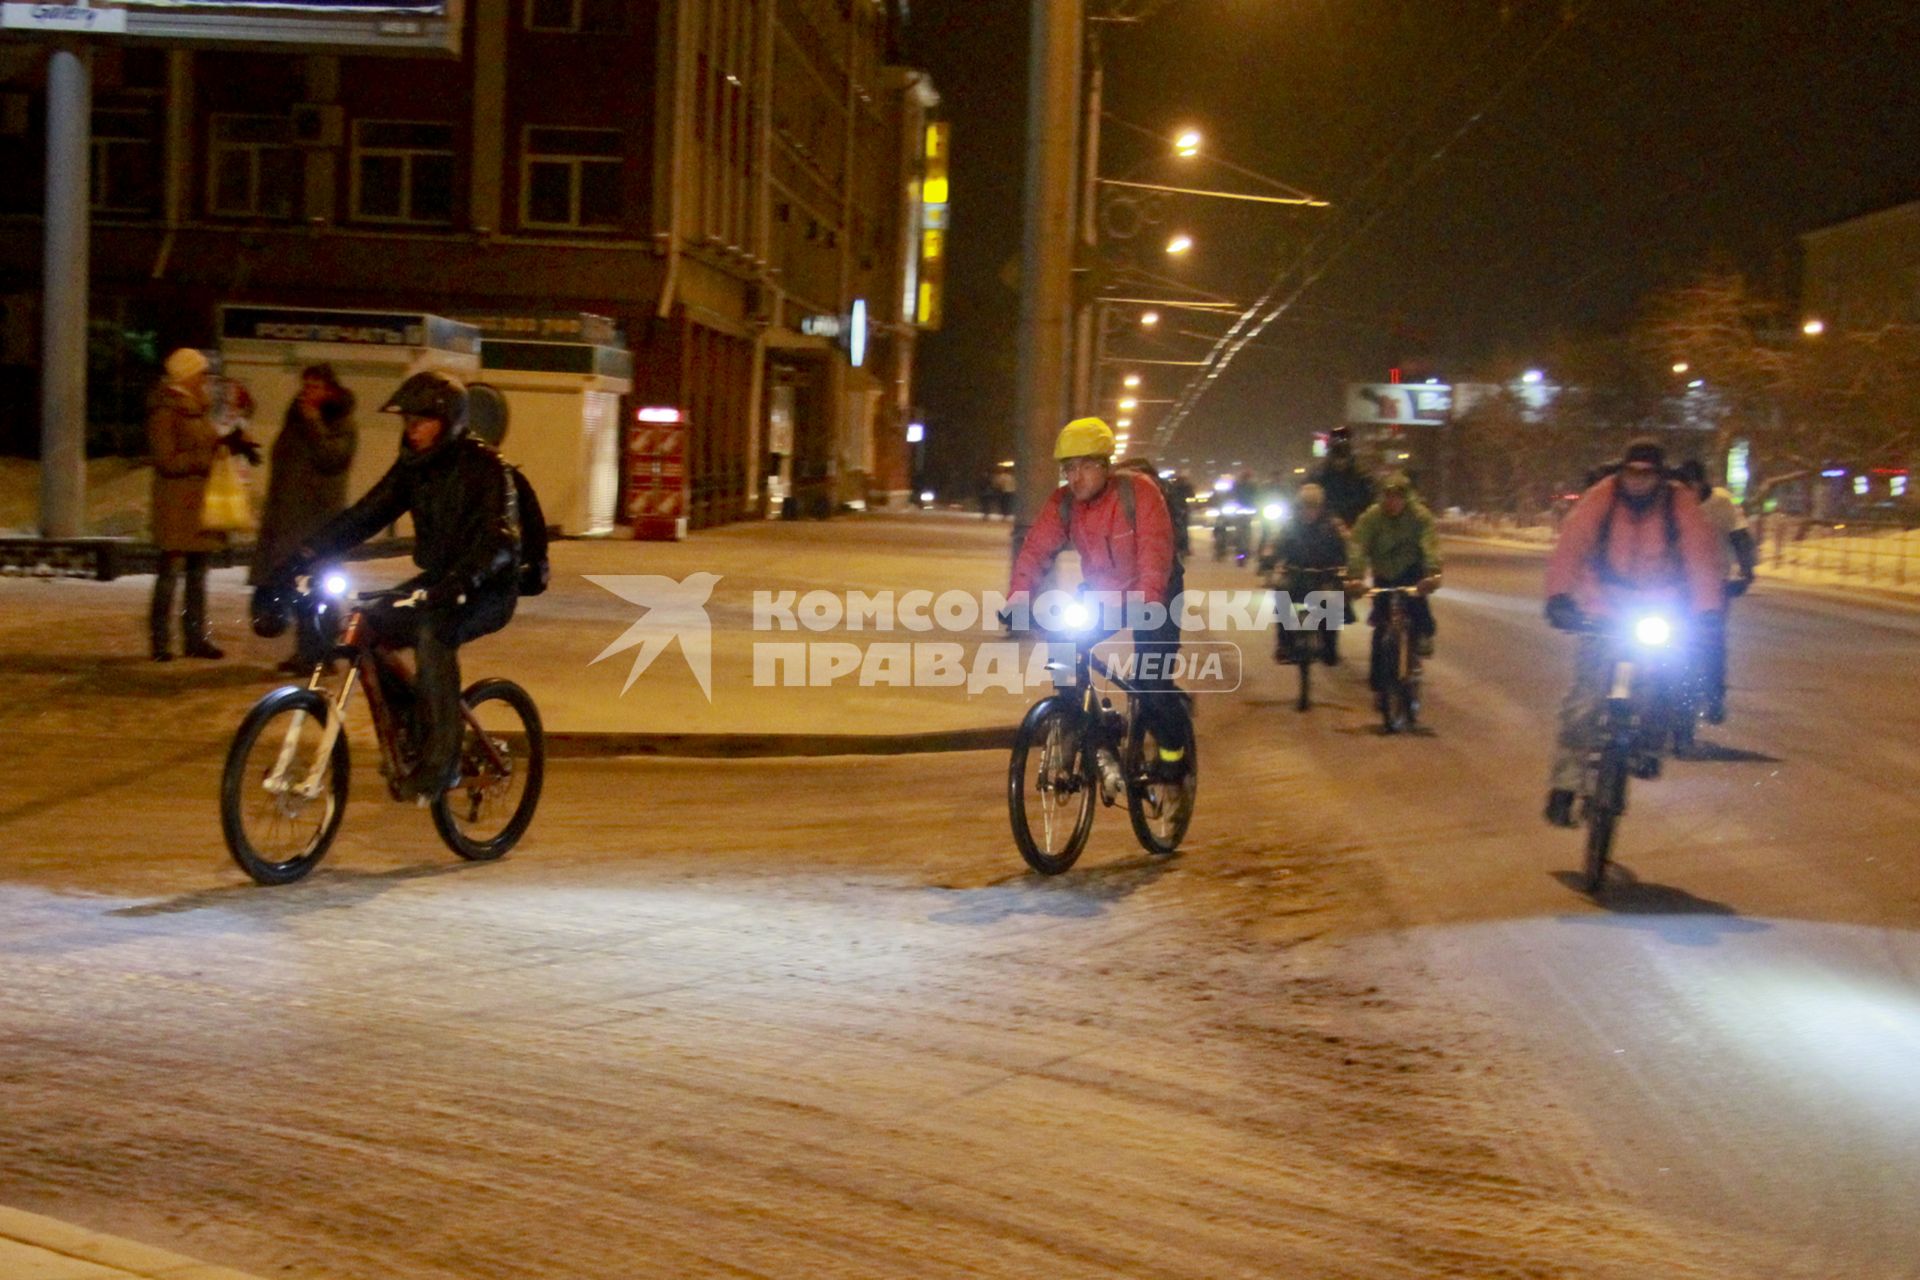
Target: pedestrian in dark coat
{"x": 184, "y": 443}
{"x": 307, "y": 483}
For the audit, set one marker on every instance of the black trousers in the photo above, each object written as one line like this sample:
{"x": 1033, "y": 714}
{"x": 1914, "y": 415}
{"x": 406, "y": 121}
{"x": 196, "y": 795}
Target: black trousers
{"x": 193, "y": 620}
{"x": 1161, "y": 701}
{"x": 435, "y": 636}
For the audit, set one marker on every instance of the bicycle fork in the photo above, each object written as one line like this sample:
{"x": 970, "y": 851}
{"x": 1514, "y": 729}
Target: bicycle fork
{"x": 310, "y": 786}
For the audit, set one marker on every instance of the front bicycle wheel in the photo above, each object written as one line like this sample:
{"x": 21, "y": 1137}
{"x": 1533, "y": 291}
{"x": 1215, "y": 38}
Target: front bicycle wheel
{"x": 503, "y": 762}
{"x": 280, "y": 803}
{"x": 1159, "y": 800}
{"x": 1050, "y": 789}
{"x": 1603, "y": 812}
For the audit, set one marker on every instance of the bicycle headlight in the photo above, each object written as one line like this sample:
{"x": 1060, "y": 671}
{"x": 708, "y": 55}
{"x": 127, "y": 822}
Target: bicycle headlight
{"x": 334, "y": 584}
{"x": 1077, "y": 617}
{"x": 1275, "y": 511}
{"x": 1653, "y": 631}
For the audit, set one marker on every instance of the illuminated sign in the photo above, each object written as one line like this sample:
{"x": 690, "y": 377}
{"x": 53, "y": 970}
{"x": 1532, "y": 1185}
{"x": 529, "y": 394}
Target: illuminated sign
{"x": 1739, "y": 469}
{"x": 1394, "y": 404}
{"x": 350, "y": 328}
{"x": 857, "y": 333}
{"x": 63, "y": 18}
{"x": 926, "y": 288}
{"x": 410, "y": 27}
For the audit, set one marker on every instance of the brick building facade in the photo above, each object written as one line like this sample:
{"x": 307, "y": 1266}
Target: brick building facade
{"x": 723, "y": 178}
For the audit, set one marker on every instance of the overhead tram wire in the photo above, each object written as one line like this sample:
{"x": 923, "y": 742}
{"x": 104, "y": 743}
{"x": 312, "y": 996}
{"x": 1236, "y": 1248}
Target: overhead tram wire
{"x": 1252, "y": 323}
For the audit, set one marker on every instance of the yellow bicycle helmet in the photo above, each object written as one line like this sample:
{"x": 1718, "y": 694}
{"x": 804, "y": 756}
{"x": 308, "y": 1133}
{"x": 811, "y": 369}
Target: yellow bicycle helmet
{"x": 1084, "y": 438}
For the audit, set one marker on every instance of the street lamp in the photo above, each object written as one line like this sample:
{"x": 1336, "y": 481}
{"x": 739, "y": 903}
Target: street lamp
{"x": 1132, "y": 380}
{"x": 1187, "y": 145}
{"x": 1814, "y": 327}
{"x": 1128, "y": 404}
{"x": 1533, "y": 377}
{"x": 1148, "y": 319}
{"x": 1124, "y": 422}
{"x": 1681, "y": 366}
{"x": 1180, "y": 244}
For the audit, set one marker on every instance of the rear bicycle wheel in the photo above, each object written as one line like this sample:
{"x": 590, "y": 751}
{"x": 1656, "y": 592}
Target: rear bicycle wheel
{"x": 278, "y": 817}
{"x": 1160, "y": 807}
{"x": 503, "y": 762}
{"x": 1303, "y": 657}
{"x": 1050, "y": 788}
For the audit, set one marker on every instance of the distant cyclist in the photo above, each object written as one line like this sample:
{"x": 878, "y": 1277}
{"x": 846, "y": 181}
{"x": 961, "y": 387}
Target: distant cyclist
{"x": 1398, "y": 540}
{"x": 1311, "y": 549}
{"x": 1118, "y": 521}
{"x": 1349, "y": 489}
{"x": 1737, "y": 562}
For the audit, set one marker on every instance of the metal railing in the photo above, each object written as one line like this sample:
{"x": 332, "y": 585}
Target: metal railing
{"x": 1873, "y": 553}
{"x": 1882, "y": 553}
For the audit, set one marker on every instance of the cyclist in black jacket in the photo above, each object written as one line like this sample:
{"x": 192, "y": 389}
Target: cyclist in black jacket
{"x": 466, "y": 542}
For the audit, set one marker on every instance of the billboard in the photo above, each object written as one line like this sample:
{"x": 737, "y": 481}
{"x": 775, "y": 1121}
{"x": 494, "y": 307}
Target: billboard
{"x": 1399, "y": 404}
{"x": 357, "y": 26}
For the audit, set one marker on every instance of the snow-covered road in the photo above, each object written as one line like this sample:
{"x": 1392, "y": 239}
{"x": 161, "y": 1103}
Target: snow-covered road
{"x": 812, "y": 1018}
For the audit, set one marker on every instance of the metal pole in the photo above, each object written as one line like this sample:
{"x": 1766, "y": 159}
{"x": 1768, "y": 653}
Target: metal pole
{"x": 1046, "y": 285}
{"x": 63, "y": 340}
{"x": 1086, "y": 372}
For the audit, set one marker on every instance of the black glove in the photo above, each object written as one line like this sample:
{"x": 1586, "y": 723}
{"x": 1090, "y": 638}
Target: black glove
{"x": 245, "y": 446}
{"x": 1738, "y": 587}
{"x": 291, "y": 569}
{"x": 1562, "y": 613}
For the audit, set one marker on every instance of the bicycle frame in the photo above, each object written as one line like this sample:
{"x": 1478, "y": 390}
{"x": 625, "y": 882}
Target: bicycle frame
{"x": 1398, "y": 629}
{"x": 1637, "y": 703}
{"x": 1085, "y": 667}
{"x": 364, "y": 660}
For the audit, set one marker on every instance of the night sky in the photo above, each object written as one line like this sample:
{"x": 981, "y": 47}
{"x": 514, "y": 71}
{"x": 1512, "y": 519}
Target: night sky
{"x": 1620, "y": 145}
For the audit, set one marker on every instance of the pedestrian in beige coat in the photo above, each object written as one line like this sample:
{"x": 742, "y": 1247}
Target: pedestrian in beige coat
{"x": 184, "y": 443}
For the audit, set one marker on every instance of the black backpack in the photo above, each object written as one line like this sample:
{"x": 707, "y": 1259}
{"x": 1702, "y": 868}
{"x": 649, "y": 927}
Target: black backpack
{"x": 535, "y": 569}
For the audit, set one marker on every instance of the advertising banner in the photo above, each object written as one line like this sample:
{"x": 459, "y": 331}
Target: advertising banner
{"x": 1399, "y": 404}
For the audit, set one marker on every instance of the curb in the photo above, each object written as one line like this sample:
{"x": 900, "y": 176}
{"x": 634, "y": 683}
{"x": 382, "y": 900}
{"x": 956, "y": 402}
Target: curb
{"x": 50, "y": 1242}
{"x": 761, "y": 746}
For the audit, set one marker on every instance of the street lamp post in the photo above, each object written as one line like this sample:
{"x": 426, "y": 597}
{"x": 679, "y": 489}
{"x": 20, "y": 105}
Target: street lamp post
{"x": 1046, "y": 285}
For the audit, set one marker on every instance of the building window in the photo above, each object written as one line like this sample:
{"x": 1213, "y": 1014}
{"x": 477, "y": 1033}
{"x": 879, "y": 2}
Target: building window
{"x": 403, "y": 172}
{"x": 253, "y": 168}
{"x": 585, "y": 16}
{"x": 570, "y": 179}
{"x": 126, "y": 160}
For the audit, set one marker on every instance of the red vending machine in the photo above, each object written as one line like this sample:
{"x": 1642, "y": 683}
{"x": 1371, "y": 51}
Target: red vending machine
{"x": 657, "y": 475}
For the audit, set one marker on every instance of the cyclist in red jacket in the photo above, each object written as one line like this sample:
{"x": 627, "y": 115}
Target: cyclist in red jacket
{"x": 1118, "y": 521}
{"x": 1636, "y": 537}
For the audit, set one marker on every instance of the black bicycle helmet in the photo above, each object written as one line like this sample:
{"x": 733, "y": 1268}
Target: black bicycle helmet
{"x": 431, "y": 394}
